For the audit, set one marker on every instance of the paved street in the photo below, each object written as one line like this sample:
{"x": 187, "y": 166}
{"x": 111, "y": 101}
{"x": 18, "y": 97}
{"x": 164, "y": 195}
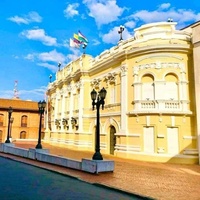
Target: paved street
{"x": 163, "y": 181}
{"x": 20, "y": 181}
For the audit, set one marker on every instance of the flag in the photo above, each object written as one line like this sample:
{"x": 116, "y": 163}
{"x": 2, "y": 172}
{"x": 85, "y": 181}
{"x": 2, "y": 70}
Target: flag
{"x": 82, "y": 37}
{"x": 78, "y": 40}
{"x": 74, "y": 43}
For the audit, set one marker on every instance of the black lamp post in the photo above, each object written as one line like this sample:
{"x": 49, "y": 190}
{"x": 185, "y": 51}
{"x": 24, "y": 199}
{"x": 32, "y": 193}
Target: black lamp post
{"x": 11, "y": 122}
{"x": 99, "y": 101}
{"x": 59, "y": 64}
{"x": 41, "y": 106}
{"x": 10, "y": 110}
{"x": 121, "y": 29}
{"x": 50, "y": 77}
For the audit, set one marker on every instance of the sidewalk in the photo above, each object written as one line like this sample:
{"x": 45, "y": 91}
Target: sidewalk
{"x": 156, "y": 180}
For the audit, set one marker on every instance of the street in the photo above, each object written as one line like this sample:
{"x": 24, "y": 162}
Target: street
{"x": 20, "y": 181}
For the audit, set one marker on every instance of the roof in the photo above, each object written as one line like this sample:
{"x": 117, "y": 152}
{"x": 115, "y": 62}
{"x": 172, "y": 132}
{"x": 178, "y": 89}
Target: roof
{"x": 18, "y": 104}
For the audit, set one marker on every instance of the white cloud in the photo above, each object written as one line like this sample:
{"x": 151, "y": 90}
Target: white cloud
{"x": 130, "y": 24}
{"x": 40, "y": 35}
{"x": 30, "y": 57}
{"x": 27, "y": 19}
{"x": 51, "y": 59}
{"x": 52, "y": 56}
{"x": 74, "y": 55}
{"x": 95, "y": 42}
{"x": 51, "y": 67}
{"x": 71, "y": 10}
{"x": 35, "y": 94}
{"x": 164, "y": 6}
{"x": 163, "y": 13}
{"x": 113, "y": 37}
{"x": 6, "y": 94}
{"x": 103, "y": 11}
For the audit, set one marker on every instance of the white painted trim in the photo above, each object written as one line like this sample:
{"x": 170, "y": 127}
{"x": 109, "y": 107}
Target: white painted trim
{"x": 189, "y": 137}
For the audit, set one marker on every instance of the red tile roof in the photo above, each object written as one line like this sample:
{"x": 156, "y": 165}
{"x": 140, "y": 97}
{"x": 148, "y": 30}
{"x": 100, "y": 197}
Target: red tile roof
{"x": 18, "y": 104}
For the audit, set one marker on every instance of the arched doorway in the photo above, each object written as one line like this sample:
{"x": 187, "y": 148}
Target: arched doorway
{"x": 112, "y": 139}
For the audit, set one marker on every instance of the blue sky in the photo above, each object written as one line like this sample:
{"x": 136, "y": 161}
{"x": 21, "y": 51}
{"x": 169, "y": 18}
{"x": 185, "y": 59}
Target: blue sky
{"x": 35, "y": 34}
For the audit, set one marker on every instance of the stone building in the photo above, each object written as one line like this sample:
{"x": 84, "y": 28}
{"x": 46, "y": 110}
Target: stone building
{"x": 150, "y": 109}
{"x": 24, "y": 120}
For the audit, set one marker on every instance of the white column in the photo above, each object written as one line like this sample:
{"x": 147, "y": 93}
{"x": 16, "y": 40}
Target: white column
{"x": 196, "y": 57}
{"x": 55, "y": 112}
{"x": 62, "y": 111}
{"x": 71, "y": 104}
{"x": 80, "y": 105}
{"x": 123, "y": 98}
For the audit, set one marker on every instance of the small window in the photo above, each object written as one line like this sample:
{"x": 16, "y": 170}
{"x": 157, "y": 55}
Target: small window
{"x": 24, "y": 121}
{"x": 23, "y": 135}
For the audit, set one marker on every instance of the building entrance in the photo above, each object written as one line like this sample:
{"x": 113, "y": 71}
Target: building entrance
{"x": 112, "y": 139}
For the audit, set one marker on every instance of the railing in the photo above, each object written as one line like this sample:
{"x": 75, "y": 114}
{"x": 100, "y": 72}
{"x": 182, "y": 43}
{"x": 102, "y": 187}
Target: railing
{"x": 148, "y": 104}
{"x": 172, "y": 105}
{"x": 161, "y": 105}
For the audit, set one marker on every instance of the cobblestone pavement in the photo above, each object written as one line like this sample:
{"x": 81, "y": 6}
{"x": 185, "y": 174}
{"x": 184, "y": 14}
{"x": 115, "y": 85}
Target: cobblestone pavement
{"x": 161, "y": 181}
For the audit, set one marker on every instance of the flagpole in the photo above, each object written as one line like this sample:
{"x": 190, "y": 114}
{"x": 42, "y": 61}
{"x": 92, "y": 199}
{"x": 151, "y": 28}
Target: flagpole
{"x": 84, "y": 47}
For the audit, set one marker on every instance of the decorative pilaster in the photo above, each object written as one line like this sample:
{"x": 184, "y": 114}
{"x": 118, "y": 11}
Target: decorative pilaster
{"x": 80, "y": 86}
{"x": 124, "y": 97}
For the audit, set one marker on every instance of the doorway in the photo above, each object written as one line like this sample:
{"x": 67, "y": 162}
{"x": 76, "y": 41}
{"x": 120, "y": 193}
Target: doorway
{"x": 172, "y": 140}
{"x": 112, "y": 139}
{"x": 149, "y": 143}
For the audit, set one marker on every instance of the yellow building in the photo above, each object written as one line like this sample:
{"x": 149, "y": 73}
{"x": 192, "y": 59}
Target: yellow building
{"x": 150, "y": 109}
{"x": 24, "y": 120}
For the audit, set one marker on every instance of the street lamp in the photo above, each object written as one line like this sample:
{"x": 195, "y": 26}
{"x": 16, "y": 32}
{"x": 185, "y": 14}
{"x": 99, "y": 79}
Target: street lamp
{"x": 121, "y": 29}
{"x": 11, "y": 122}
{"x": 50, "y": 77}
{"x": 10, "y": 110}
{"x": 98, "y": 100}
{"x": 59, "y": 64}
{"x": 41, "y": 106}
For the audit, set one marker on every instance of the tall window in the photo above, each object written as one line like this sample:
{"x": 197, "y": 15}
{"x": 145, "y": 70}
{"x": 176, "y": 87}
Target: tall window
{"x": 24, "y": 121}
{"x": 148, "y": 87}
{"x": 76, "y": 99}
{"x": 112, "y": 93}
{"x": 171, "y": 87}
{"x": 59, "y": 104}
{"x": 1, "y": 119}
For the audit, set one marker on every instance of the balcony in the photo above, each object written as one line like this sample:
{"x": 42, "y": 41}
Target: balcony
{"x": 161, "y": 106}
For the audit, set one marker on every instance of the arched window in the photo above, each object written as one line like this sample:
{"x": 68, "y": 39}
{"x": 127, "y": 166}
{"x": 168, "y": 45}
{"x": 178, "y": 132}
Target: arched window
{"x": 171, "y": 87}
{"x": 1, "y": 119}
{"x": 148, "y": 92}
{"x": 24, "y": 121}
{"x": 23, "y": 135}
